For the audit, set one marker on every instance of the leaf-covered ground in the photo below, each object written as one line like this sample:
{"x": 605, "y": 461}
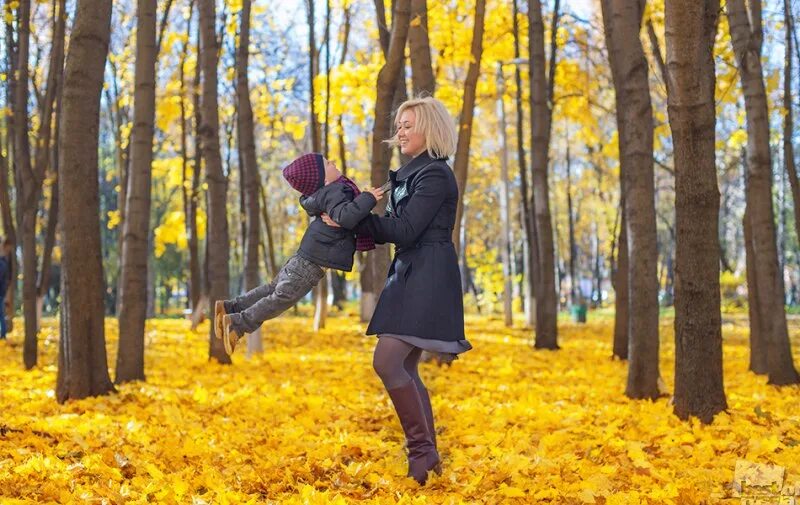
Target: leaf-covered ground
{"x": 308, "y": 422}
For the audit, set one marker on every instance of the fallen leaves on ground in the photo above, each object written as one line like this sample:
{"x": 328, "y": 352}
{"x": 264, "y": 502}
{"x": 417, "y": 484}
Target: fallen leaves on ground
{"x": 308, "y": 422}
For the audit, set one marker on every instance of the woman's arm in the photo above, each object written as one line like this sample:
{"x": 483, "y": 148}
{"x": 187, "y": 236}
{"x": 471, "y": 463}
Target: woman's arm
{"x": 348, "y": 214}
{"x": 430, "y": 190}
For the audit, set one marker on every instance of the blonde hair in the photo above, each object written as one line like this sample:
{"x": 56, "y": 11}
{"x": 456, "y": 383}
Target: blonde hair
{"x": 434, "y": 123}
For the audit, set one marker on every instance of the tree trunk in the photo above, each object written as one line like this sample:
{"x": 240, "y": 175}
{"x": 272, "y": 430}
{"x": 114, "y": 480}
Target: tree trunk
{"x": 574, "y": 295}
{"x": 525, "y": 197}
{"x": 461, "y": 161}
{"x": 788, "y": 118}
{"x": 622, "y": 296}
{"x": 251, "y": 178}
{"x": 136, "y": 228}
{"x": 623, "y": 24}
{"x": 746, "y": 38}
{"x": 270, "y": 253}
{"x": 30, "y": 176}
{"x": 423, "y": 82}
{"x": 27, "y": 198}
{"x": 189, "y": 190}
{"x": 505, "y": 190}
{"x": 541, "y": 97}
{"x": 338, "y": 279}
{"x": 43, "y": 282}
{"x": 82, "y": 361}
{"x": 377, "y": 262}
{"x": 197, "y": 266}
{"x": 217, "y": 251}
{"x": 758, "y": 347}
{"x": 691, "y": 28}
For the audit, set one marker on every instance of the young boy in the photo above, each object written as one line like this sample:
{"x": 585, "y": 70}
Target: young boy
{"x": 323, "y": 189}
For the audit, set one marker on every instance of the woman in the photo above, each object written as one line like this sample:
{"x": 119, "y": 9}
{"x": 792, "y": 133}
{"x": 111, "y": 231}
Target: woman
{"x": 420, "y": 307}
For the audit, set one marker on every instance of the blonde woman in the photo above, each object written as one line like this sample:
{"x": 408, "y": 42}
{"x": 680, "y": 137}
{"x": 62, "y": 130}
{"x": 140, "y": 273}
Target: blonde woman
{"x": 420, "y": 307}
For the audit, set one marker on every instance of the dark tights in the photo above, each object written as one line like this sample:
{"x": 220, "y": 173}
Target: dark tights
{"x": 396, "y": 362}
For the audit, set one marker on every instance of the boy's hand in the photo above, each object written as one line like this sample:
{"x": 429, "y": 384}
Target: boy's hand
{"x": 376, "y": 192}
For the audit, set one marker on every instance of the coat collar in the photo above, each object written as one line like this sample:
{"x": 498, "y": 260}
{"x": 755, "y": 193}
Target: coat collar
{"x": 412, "y": 167}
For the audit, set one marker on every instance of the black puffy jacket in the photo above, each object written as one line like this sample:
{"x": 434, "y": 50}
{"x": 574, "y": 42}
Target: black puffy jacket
{"x": 328, "y": 246}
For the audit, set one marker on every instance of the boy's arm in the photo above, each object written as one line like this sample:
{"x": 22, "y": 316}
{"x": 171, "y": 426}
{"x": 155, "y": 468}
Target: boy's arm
{"x": 311, "y": 205}
{"x": 347, "y": 213}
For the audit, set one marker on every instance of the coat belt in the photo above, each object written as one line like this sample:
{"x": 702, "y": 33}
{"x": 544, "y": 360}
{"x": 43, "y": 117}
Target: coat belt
{"x": 430, "y": 236}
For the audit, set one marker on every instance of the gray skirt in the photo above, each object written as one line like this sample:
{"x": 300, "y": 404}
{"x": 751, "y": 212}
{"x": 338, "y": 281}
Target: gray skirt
{"x": 446, "y": 351}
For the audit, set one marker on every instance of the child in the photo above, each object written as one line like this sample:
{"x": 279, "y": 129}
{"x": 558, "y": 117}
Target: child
{"x": 323, "y": 189}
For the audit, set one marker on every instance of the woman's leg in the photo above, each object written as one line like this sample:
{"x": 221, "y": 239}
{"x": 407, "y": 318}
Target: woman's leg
{"x": 389, "y": 363}
{"x": 411, "y": 364}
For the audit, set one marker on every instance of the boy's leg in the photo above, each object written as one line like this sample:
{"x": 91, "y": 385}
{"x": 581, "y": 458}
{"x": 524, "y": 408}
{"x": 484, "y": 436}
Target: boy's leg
{"x": 246, "y": 300}
{"x": 297, "y": 277}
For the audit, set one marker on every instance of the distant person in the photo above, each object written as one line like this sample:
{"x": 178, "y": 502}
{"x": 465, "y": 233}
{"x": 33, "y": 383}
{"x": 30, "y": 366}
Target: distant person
{"x": 323, "y": 189}
{"x": 421, "y": 307}
{"x": 6, "y": 248}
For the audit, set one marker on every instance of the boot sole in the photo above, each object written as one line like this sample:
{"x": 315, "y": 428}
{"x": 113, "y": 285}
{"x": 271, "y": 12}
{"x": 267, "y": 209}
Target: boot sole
{"x": 219, "y": 311}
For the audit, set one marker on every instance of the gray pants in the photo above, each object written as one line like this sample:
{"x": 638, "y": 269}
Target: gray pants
{"x": 294, "y": 280}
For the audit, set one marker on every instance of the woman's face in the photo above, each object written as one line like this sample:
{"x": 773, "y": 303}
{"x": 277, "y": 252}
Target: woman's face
{"x": 412, "y": 143}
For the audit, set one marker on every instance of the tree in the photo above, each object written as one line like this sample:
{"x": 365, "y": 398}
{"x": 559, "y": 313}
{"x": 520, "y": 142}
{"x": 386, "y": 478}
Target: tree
{"x": 691, "y": 27}
{"x": 30, "y": 174}
{"x": 541, "y": 99}
{"x": 620, "y": 281}
{"x": 788, "y": 117}
{"x": 530, "y": 258}
{"x": 374, "y": 272}
{"x": 422, "y": 78}
{"x": 189, "y": 187}
{"x": 247, "y": 146}
{"x": 338, "y": 279}
{"x": 82, "y": 363}
{"x": 747, "y": 40}
{"x": 136, "y": 227}
{"x": 217, "y": 251}
{"x": 461, "y": 161}
{"x": 321, "y": 289}
{"x": 623, "y": 24}
{"x": 197, "y": 266}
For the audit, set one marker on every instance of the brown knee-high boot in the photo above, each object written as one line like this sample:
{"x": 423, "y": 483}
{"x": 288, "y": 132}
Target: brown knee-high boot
{"x": 428, "y": 409}
{"x": 422, "y": 455}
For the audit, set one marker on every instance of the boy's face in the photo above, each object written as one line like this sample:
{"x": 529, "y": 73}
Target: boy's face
{"x": 331, "y": 172}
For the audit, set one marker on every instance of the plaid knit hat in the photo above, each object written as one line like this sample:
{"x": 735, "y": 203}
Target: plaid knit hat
{"x": 306, "y": 174}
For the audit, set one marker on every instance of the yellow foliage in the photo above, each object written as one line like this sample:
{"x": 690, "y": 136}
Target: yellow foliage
{"x": 308, "y": 422}
{"x": 114, "y": 219}
{"x": 171, "y": 231}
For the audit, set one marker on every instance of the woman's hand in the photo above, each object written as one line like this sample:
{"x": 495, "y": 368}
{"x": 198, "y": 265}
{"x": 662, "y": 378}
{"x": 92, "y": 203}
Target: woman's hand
{"x": 330, "y": 222}
{"x": 376, "y": 192}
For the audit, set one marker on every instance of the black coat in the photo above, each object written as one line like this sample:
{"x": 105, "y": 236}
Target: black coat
{"x": 328, "y": 246}
{"x": 422, "y": 296}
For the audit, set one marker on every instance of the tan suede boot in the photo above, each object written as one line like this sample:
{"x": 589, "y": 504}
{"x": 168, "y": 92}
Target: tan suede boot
{"x": 230, "y": 336}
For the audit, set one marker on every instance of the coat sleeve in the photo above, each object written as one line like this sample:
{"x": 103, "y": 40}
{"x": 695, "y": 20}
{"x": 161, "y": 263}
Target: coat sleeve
{"x": 430, "y": 190}
{"x": 347, "y": 213}
{"x": 311, "y": 204}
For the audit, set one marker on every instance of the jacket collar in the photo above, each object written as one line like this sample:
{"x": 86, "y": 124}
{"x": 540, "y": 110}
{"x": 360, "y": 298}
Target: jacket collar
{"x": 412, "y": 167}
